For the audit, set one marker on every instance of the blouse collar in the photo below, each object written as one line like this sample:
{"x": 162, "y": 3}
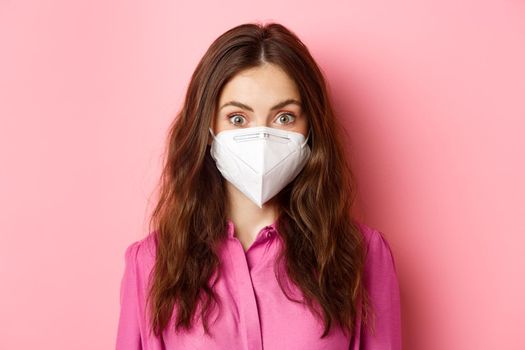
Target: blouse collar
{"x": 268, "y": 229}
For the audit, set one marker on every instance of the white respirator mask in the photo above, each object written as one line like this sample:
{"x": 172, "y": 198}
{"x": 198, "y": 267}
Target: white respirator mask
{"x": 259, "y": 161}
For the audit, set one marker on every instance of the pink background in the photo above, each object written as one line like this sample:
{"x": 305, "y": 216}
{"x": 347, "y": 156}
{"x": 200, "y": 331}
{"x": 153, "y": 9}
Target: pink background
{"x": 432, "y": 93}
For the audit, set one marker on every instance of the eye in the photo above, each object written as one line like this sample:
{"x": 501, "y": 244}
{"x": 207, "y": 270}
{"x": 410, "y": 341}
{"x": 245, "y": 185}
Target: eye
{"x": 285, "y": 118}
{"x": 237, "y": 119}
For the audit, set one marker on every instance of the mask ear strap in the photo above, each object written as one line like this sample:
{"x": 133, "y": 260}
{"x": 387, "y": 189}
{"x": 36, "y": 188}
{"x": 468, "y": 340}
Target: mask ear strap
{"x": 310, "y": 133}
{"x": 213, "y": 138}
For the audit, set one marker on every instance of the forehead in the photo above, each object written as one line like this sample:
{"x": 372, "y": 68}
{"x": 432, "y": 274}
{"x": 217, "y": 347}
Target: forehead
{"x": 265, "y": 83}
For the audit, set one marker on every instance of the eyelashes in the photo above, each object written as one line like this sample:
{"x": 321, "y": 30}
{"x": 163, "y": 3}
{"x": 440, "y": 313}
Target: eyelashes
{"x": 237, "y": 118}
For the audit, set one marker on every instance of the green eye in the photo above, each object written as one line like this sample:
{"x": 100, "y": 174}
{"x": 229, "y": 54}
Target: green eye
{"x": 286, "y": 118}
{"x": 237, "y": 119}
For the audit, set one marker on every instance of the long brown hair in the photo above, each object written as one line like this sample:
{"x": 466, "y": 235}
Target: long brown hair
{"x": 323, "y": 250}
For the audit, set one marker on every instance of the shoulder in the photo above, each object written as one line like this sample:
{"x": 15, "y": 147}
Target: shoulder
{"x": 381, "y": 282}
{"x": 378, "y": 248}
{"x": 141, "y": 253}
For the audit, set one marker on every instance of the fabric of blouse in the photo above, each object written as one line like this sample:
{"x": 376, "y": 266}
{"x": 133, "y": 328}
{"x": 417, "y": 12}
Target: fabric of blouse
{"x": 255, "y": 313}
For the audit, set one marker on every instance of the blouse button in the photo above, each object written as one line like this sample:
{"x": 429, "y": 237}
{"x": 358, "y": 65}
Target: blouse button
{"x": 268, "y": 234}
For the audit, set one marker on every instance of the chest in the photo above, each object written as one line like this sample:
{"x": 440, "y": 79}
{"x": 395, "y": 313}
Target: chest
{"x": 254, "y": 312}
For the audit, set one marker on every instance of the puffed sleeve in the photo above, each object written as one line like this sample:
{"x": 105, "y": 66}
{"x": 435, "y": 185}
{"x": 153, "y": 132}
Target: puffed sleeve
{"x": 381, "y": 282}
{"x": 128, "y": 334}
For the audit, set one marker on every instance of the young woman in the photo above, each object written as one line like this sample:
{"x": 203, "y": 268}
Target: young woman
{"x": 252, "y": 244}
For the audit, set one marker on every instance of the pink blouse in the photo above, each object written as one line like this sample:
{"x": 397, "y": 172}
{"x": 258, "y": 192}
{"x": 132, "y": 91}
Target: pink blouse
{"x": 256, "y": 313}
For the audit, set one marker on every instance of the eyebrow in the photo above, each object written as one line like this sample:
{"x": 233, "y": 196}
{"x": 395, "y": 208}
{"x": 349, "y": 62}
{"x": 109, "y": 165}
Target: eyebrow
{"x": 277, "y": 106}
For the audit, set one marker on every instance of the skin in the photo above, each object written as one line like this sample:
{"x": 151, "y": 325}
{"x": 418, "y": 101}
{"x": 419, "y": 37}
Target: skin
{"x": 259, "y": 89}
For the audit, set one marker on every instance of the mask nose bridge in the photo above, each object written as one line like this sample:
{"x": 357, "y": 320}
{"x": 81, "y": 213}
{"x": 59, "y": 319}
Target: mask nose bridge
{"x": 252, "y": 135}
{"x": 262, "y": 133}
{"x": 266, "y": 135}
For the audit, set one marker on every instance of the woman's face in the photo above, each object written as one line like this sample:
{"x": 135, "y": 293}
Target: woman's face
{"x": 260, "y": 96}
